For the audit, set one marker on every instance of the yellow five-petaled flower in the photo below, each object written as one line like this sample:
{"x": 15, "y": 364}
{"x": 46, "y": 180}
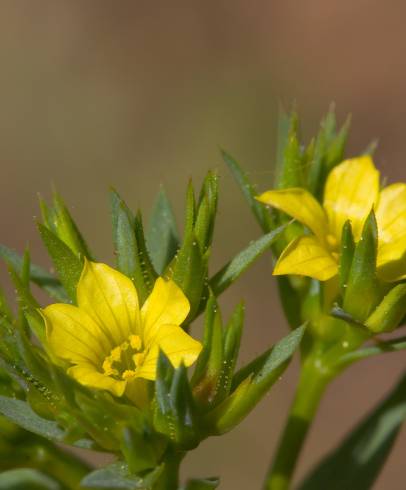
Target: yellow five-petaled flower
{"x": 352, "y": 189}
{"x": 109, "y": 340}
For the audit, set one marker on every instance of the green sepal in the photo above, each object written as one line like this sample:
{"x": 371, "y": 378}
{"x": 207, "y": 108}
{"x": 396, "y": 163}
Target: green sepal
{"x": 291, "y": 169}
{"x": 190, "y": 216}
{"x": 129, "y": 243}
{"x": 260, "y": 212}
{"x": 329, "y": 150}
{"x": 147, "y": 269}
{"x": 255, "y": 384}
{"x": 208, "y": 368}
{"x": 335, "y": 151}
{"x": 232, "y": 271}
{"x": 59, "y": 221}
{"x": 175, "y": 411}
{"x": 189, "y": 270}
{"x": 162, "y": 233}
{"x": 363, "y": 291}
{"x": 67, "y": 264}
{"x": 215, "y": 367}
{"x": 390, "y": 312}
{"x": 206, "y": 211}
{"x": 346, "y": 255}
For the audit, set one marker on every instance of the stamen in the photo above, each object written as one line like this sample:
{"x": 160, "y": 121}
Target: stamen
{"x": 332, "y": 241}
{"x": 136, "y": 342}
{"x": 124, "y": 359}
{"x": 138, "y": 358}
{"x": 128, "y": 374}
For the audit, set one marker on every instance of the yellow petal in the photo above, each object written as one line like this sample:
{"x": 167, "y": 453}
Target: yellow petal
{"x": 87, "y": 375}
{"x": 73, "y": 335}
{"x": 306, "y": 256}
{"x": 299, "y": 204}
{"x": 110, "y": 298}
{"x": 165, "y": 305}
{"x": 176, "y": 344}
{"x": 351, "y": 190}
{"x": 391, "y": 219}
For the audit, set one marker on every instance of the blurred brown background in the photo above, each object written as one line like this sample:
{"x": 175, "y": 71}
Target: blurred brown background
{"x": 137, "y": 93}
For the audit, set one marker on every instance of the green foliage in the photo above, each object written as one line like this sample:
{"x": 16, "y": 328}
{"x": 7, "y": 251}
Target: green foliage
{"x": 133, "y": 259}
{"x": 38, "y": 275}
{"x": 357, "y": 461}
{"x": 117, "y": 475}
{"x": 249, "y": 191}
{"x": 67, "y": 264}
{"x": 256, "y": 380}
{"x": 232, "y": 271}
{"x": 363, "y": 291}
{"x": 162, "y": 234}
{"x": 22, "y": 414}
{"x": 27, "y": 478}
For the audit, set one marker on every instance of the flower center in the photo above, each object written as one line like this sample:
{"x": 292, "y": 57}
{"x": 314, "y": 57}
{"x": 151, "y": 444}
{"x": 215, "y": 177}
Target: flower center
{"x": 124, "y": 359}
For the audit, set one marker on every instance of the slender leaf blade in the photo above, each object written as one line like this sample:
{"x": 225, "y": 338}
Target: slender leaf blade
{"x": 357, "y": 461}
{"x": 232, "y": 271}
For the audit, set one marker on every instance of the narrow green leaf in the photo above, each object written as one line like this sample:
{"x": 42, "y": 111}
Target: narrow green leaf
{"x": 358, "y": 460}
{"x": 66, "y": 229}
{"x": 38, "y": 275}
{"x": 67, "y": 265}
{"x": 249, "y": 192}
{"x": 22, "y": 414}
{"x": 117, "y": 475}
{"x": 27, "y": 478}
{"x": 232, "y": 271}
{"x": 346, "y": 255}
{"x": 162, "y": 233}
{"x": 380, "y": 347}
{"x": 292, "y": 169}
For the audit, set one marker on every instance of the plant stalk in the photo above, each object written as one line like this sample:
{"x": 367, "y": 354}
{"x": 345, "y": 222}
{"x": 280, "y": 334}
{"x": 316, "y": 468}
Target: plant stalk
{"x": 310, "y": 389}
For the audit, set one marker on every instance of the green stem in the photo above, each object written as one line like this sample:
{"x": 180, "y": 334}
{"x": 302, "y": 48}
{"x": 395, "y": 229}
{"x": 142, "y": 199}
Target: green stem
{"x": 312, "y": 383}
{"x": 169, "y": 479}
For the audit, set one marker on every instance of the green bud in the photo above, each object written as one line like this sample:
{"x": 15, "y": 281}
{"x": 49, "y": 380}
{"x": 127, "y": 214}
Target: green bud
{"x": 389, "y": 313}
{"x": 363, "y": 290}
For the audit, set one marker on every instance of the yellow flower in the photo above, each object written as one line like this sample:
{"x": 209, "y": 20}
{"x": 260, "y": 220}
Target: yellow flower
{"x": 351, "y": 191}
{"x": 109, "y": 339}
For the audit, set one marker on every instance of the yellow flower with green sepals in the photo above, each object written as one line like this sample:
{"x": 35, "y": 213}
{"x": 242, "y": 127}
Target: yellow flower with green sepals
{"x": 352, "y": 189}
{"x": 110, "y": 341}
